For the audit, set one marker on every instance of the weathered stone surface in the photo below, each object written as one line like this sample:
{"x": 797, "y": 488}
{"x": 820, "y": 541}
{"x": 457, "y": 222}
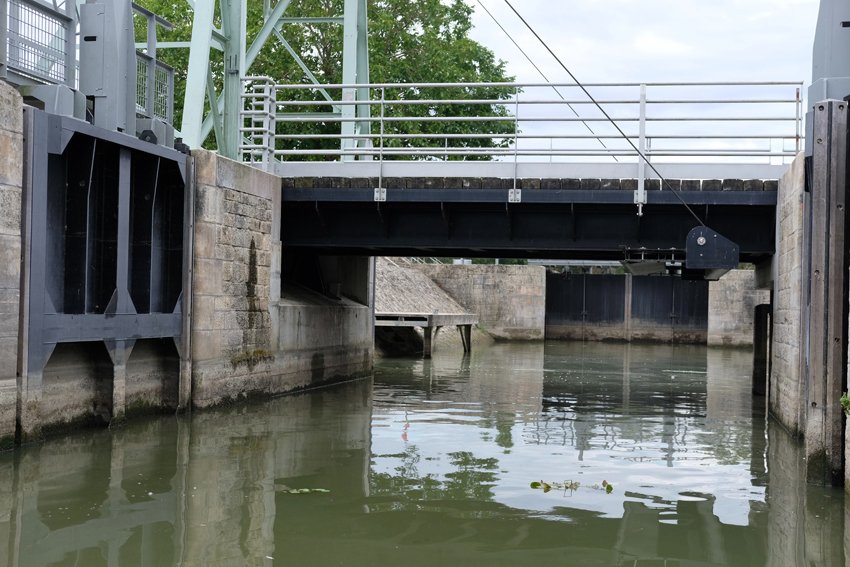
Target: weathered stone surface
{"x": 674, "y": 184}
{"x": 691, "y": 185}
{"x": 610, "y": 184}
{"x": 510, "y": 301}
{"x": 733, "y": 185}
{"x": 434, "y": 183}
{"x": 712, "y": 185}
{"x": 753, "y": 185}
{"x": 394, "y": 183}
{"x": 529, "y": 183}
{"x": 10, "y": 210}
{"x": 731, "y": 305}
{"x": 571, "y": 184}
{"x": 591, "y": 184}
{"x": 404, "y": 289}
{"x": 11, "y": 178}
{"x": 495, "y": 183}
{"x": 629, "y": 184}
{"x": 550, "y": 184}
{"x": 11, "y": 109}
{"x": 786, "y": 387}
{"x": 11, "y": 158}
{"x": 245, "y": 339}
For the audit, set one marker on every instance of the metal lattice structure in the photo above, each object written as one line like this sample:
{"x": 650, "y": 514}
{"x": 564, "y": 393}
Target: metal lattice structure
{"x": 37, "y": 42}
{"x": 231, "y": 39}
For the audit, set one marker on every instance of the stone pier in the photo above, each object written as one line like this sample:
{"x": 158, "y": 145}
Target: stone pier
{"x": 11, "y": 180}
{"x": 255, "y": 332}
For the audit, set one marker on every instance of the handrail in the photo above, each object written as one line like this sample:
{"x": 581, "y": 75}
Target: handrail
{"x": 700, "y": 121}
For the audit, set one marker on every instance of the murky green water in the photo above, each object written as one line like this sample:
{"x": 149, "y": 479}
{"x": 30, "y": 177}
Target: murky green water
{"x": 432, "y": 465}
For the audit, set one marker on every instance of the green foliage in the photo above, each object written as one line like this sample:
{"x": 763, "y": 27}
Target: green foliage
{"x": 410, "y": 41}
{"x": 845, "y": 403}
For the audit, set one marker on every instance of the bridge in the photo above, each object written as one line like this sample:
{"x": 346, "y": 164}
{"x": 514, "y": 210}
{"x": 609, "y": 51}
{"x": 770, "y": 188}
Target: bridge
{"x": 515, "y": 170}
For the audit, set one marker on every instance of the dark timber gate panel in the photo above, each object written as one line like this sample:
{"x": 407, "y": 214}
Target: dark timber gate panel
{"x": 622, "y": 307}
{"x": 669, "y": 309}
{"x": 585, "y": 307}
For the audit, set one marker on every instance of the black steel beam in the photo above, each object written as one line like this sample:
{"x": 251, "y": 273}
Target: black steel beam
{"x": 539, "y": 196}
{"x": 562, "y": 227}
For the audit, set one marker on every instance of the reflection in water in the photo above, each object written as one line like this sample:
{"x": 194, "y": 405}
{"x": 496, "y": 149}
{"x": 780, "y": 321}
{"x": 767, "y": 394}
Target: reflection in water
{"x": 433, "y": 463}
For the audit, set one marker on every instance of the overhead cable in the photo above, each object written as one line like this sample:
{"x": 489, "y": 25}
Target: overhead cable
{"x": 664, "y": 182}
{"x": 542, "y": 74}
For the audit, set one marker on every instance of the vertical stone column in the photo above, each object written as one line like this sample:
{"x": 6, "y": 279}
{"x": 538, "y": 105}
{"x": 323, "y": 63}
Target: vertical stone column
{"x": 731, "y": 305}
{"x": 786, "y": 384}
{"x": 11, "y": 180}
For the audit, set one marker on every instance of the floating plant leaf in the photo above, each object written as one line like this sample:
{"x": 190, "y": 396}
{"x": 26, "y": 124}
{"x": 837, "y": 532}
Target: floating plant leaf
{"x": 536, "y": 485}
{"x": 609, "y": 488}
{"x": 305, "y": 491}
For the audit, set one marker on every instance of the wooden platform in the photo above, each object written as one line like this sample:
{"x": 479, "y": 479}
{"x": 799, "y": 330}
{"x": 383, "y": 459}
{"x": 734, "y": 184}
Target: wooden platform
{"x": 430, "y": 321}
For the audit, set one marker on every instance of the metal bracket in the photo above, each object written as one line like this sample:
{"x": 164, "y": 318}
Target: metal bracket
{"x": 515, "y": 196}
{"x": 380, "y": 194}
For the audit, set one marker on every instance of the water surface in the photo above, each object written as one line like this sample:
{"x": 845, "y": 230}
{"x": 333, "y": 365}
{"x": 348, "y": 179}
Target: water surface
{"x": 432, "y": 463}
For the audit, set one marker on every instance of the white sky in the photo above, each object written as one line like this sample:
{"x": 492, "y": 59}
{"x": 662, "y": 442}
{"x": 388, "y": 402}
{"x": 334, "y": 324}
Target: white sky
{"x": 656, "y": 40}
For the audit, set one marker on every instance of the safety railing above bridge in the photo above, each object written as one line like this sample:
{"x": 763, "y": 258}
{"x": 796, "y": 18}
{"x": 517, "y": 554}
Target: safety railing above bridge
{"x": 759, "y": 122}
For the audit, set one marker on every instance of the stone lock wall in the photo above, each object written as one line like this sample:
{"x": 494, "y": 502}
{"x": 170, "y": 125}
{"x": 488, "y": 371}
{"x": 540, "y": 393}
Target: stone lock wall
{"x": 11, "y": 172}
{"x": 786, "y": 381}
{"x": 510, "y": 301}
{"x": 248, "y": 340}
{"x": 232, "y": 278}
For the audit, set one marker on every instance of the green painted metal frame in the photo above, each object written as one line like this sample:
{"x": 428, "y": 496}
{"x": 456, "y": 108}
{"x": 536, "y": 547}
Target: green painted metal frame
{"x": 223, "y": 114}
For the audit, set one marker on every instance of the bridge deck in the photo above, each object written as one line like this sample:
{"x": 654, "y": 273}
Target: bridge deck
{"x": 592, "y": 219}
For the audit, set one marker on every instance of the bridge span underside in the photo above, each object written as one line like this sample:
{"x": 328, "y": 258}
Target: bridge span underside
{"x": 572, "y": 219}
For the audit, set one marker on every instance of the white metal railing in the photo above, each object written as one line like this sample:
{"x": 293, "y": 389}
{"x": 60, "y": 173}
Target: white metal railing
{"x": 525, "y": 122}
{"x": 664, "y": 123}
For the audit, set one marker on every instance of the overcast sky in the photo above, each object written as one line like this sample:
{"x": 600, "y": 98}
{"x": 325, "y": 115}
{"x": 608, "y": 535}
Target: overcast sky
{"x": 656, "y": 40}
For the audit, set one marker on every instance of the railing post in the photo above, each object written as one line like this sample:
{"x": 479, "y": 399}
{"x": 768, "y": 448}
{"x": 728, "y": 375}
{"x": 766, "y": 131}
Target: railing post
{"x": 799, "y": 120}
{"x": 3, "y": 38}
{"x": 381, "y": 149}
{"x": 515, "y": 194}
{"x": 269, "y": 125}
{"x": 640, "y": 193}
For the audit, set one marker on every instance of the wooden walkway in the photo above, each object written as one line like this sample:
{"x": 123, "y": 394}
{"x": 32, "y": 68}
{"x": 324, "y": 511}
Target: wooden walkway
{"x": 430, "y": 321}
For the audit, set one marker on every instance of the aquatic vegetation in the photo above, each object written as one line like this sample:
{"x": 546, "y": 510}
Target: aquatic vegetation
{"x": 570, "y": 485}
{"x": 287, "y": 490}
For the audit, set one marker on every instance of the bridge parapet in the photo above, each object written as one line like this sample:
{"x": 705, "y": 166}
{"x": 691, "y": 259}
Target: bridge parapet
{"x": 530, "y": 130}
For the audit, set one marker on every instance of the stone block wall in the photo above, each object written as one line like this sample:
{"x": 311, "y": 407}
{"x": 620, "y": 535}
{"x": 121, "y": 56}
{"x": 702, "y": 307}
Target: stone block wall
{"x": 510, "y": 301}
{"x": 11, "y": 172}
{"x": 731, "y": 306}
{"x": 786, "y": 382}
{"x": 246, "y": 340}
{"x": 232, "y": 278}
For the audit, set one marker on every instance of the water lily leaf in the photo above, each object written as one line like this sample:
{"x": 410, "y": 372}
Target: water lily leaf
{"x": 536, "y": 485}
{"x": 609, "y": 488}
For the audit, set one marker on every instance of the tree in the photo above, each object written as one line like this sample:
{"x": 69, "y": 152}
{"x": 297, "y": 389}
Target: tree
{"x": 410, "y": 41}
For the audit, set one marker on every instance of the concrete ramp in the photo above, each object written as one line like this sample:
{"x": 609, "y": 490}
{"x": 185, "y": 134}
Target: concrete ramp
{"x": 405, "y": 298}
